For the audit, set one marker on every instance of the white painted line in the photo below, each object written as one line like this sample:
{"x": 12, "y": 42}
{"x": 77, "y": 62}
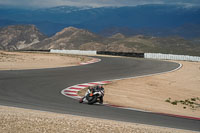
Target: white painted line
{"x": 87, "y": 84}
{"x": 107, "y": 104}
{"x": 180, "y": 65}
{"x": 70, "y": 90}
{"x": 76, "y": 86}
{"x": 100, "y": 82}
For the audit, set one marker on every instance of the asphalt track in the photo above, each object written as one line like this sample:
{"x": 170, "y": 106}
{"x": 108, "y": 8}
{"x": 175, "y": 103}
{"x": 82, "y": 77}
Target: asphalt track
{"x": 40, "y": 89}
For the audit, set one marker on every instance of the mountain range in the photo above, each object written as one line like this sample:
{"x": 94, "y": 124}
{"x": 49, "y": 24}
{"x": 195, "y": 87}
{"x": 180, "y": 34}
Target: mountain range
{"x": 149, "y": 20}
{"x": 28, "y": 37}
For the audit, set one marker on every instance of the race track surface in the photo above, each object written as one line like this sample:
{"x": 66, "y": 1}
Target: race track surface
{"x": 40, "y": 89}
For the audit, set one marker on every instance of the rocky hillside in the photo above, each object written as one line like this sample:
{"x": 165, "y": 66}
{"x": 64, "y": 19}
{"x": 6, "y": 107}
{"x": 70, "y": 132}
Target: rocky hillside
{"x": 168, "y": 45}
{"x": 28, "y": 37}
{"x": 19, "y": 37}
{"x": 71, "y": 38}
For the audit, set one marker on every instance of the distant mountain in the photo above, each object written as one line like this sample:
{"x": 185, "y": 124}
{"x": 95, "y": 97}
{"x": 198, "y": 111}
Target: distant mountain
{"x": 19, "y": 37}
{"x": 63, "y": 9}
{"x": 117, "y": 36}
{"x": 151, "y": 20}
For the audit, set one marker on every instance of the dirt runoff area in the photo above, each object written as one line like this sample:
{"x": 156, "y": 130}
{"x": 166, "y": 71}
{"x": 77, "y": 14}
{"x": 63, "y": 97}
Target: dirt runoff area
{"x": 36, "y": 60}
{"x": 175, "y": 92}
{"x": 16, "y": 120}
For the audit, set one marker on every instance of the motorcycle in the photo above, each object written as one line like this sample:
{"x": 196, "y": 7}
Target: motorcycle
{"x": 93, "y": 96}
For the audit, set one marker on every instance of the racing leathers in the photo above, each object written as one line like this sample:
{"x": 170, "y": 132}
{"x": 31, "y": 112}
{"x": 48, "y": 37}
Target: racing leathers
{"x": 98, "y": 89}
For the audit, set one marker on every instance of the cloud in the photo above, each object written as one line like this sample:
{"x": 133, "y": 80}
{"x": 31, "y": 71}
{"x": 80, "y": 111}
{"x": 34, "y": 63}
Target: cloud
{"x": 95, "y": 3}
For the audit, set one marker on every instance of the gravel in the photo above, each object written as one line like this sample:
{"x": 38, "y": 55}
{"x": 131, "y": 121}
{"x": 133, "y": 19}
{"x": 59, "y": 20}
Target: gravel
{"x": 17, "y": 120}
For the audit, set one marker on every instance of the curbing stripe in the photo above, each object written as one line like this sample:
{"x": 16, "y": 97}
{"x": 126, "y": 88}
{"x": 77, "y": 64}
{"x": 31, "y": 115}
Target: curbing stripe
{"x": 75, "y": 93}
{"x": 71, "y": 94}
{"x": 94, "y": 60}
{"x": 84, "y": 85}
{"x": 71, "y": 89}
{"x": 75, "y": 88}
{"x": 94, "y": 83}
{"x": 67, "y": 91}
{"x": 180, "y": 116}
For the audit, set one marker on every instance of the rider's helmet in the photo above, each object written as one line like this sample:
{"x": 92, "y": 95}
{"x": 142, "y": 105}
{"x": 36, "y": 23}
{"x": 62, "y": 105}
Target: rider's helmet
{"x": 91, "y": 87}
{"x": 100, "y": 86}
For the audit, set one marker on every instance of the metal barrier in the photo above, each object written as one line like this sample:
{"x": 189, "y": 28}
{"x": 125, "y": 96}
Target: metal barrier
{"x": 171, "y": 57}
{"x": 128, "y": 54}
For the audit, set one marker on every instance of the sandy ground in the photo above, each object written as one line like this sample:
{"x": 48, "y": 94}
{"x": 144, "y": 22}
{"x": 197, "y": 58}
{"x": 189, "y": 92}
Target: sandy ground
{"x": 150, "y": 93}
{"x": 32, "y": 60}
{"x": 16, "y": 120}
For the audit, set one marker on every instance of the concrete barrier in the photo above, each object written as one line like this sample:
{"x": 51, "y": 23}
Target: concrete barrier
{"x": 78, "y": 52}
{"x": 171, "y": 57}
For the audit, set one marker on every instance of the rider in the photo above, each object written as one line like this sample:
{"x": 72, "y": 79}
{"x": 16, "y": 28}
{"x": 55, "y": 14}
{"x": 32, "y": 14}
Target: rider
{"x": 98, "y": 88}
{"x": 101, "y": 89}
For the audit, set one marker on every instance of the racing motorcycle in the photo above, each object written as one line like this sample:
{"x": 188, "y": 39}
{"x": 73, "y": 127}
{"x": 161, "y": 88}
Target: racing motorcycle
{"x": 93, "y": 96}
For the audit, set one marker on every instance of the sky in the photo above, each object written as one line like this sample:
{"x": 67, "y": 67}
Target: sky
{"x": 95, "y": 3}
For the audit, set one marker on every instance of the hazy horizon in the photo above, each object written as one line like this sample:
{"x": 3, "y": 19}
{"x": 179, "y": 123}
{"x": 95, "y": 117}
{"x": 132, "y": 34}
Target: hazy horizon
{"x": 95, "y": 3}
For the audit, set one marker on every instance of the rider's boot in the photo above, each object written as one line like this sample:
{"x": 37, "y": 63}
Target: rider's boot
{"x": 81, "y": 100}
{"x": 101, "y": 100}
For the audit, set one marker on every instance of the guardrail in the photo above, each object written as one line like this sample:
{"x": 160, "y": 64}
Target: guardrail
{"x": 33, "y": 50}
{"x": 128, "y": 54}
{"x": 171, "y": 57}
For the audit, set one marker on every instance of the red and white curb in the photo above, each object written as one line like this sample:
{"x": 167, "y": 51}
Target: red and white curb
{"x": 94, "y": 60}
{"x": 72, "y": 91}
